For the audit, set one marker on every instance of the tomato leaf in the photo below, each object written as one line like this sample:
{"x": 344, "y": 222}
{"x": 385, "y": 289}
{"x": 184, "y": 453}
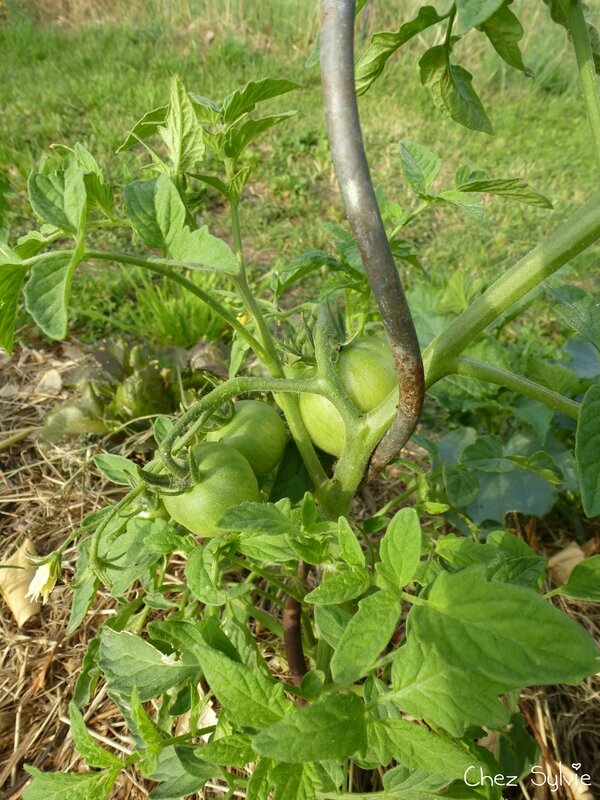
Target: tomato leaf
{"x": 587, "y": 451}
{"x": 577, "y": 308}
{"x": 239, "y": 137}
{"x": 93, "y": 754}
{"x": 385, "y": 43}
{"x": 75, "y": 785}
{"x": 48, "y": 290}
{"x": 474, "y": 623}
{"x": 427, "y": 687}
{"x": 59, "y": 197}
{"x": 419, "y": 165}
{"x": 346, "y": 583}
{"x": 451, "y": 90}
{"x": 584, "y": 581}
{"x": 203, "y": 572}
{"x": 399, "y": 551}
{"x": 117, "y": 468}
{"x": 504, "y": 32}
{"x": 475, "y": 12}
{"x": 244, "y": 100}
{"x": 11, "y": 282}
{"x": 178, "y": 776}
{"x": 365, "y": 636}
{"x": 182, "y": 133}
{"x": 350, "y": 550}
{"x": 145, "y": 127}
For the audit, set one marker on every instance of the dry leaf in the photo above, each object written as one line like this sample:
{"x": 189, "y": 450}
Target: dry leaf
{"x": 14, "y": 583}
{"x": 49, "y": 383}
{"x": 9, "y": 391}
{"x": 562, "y": 564}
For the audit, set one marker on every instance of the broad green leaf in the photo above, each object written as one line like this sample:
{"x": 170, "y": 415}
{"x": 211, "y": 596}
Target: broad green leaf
{"x": 200, "y": 250}
{"x": 190, "y": 638}
{"x": 250, "y": 698}
{"x": 176, "y": 781}
{"x": 504, "y": 31}
{"x": 259, "y": 784}
{"x": 511, "y": 188}
{"x": 129, "y": 661}
{"x": 385, "y": 43}
{"x": 11, "y": 281}
{"x": 587, "y": 451}
{"x": 48, "y": 290}
{"x": 426, "y": 687}
{"x": 234, "y": 750}
{"x": 93, "y": 754}
{"x": 399, "y": 551}
{"x": 473, "y": 624}
{"x": 401, "y": 779}
{"x": 294, "y": 781}
{"x": 84, "y": 588}
{"x": 486, "y": 455}
{"x": 464, "y": 201}
{"x": 182, "y": 133}
{"x": 535, "y": 414}
{"x": 578, "y": 309}
{"x": 474, "y": 12}
{"x": 238, "y": 138}
{"x": 331, "y": 622}
{"x": 153, "y": 740}
{"x": 501, "y": 492}
{"x": 118, "y": 469}
{"x": 145, "y": 127}
{"x": 139, "y": 197}
{"x": 256, "y": 518}
{"x": 98, "y": 192}
{"x": 365, "y": 636}
{"x": 331, "y": 728}
{"x": 129, "y": 560}
{"x": 417, "y": 747}
{"x": 419, "y": 165}
{"x": 350, "y": 550}
{"x": 451, "y": 90}
{"x": 244, "y": 100}
{"x": 345, "y": 584}
{"x": 59, "y": 198}
{"x": 461, "y": 484}
{"x": 74, "y": 785}
{"x": 584, "y": 581}
{"x": 202, "y": 573}
{"x": 170, "y": 210}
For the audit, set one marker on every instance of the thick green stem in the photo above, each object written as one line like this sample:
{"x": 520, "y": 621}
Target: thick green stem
{"x": 441, "y": 356}
{"x": 573, "y": 11}
{"x": 166, "y": 267}
{"x": 471, "y": 368}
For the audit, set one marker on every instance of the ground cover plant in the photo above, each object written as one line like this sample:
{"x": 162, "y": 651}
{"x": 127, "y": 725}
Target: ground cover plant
{"x": 234, "y": 487}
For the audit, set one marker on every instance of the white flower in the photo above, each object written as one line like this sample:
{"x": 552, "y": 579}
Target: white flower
{"x": 42, "y": 582}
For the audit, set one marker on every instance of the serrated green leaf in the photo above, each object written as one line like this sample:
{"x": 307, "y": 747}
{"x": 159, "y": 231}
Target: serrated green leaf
{"x": 464, "y": 201}
{"x": 504, "y": 31}
{"x": 200, "y": 250}
{"x": 59, "y": 198}
{"x": 385, "y": 43}
{"x": 486, "y": 455}
{"x": 578, "y": 309}
{"x": 190, "y": 638}
{"x": 256, "y": 518}
{"x": 11, "y": 282}
{"x": 176, "y": 782}
{"x": 473, "y": 624}
{"x": 251, "y": 698}
{"x": 48, "y": 290}
{"x": 346, "y": 583}
{"x": 244, "y": 100}
{"x": 182, "y": 133}
{"x": 74, "y": 785}
{"x": 587, "y": 451}
{"x": 417, "y": 747}
{"x": 399, "y": 551}
{"x": 451, "y": 90}
{"x": 139, "y": 198}
{"x": 202, "y": 573}
{"x": 117, "y": 468}
{"x": 145, "y": 127}
{"x": 331, "y": 728}
{"x": 426, "y": 687}
{"x": 461, "y": 484}
{"x": 350, "y": 550}
{"x": 294, "y": 781}
{"x": 365, "y": 636}
{"x": 419, "y": 165}
{"x": 93, "y": 754}
{"x": 584, "y": 581}
{"x": 129, "y": 661}
{"x": 511, "y": 188}
{"x": 474, "y": 12}
{"x": 153, "y": 741}
{"x": 331, "y": 622}
{"x": 239, "y": 137}
{"x": 234, "y": 750}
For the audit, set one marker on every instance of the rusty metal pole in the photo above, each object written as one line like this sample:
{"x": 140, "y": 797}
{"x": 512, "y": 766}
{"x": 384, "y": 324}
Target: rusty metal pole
{"x": 352, "y": 170}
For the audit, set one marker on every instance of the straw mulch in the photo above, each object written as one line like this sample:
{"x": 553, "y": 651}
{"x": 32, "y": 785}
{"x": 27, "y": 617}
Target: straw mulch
{"x": 45, "y": 492}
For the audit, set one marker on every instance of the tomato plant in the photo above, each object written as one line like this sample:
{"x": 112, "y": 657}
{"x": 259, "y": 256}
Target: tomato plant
{"x": 224, "y": 479}
{"x": 257, "y": 431}
{"x": 368, "y": 375}
{"x": 477, "y": 629}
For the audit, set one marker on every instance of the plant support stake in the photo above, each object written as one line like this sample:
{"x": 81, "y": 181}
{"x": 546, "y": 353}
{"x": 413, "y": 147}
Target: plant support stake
{"x": 352, "y": 170}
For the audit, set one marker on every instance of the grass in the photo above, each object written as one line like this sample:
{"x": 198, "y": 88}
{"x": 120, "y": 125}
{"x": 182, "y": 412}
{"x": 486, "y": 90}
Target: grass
{"x": 90, "y": 75}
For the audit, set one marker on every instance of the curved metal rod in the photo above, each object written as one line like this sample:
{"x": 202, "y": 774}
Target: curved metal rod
{"x": 352, "y": 170}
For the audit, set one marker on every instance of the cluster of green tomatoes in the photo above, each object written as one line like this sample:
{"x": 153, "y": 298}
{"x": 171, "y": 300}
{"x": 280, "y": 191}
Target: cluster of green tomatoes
{"x": 235, "y": 459}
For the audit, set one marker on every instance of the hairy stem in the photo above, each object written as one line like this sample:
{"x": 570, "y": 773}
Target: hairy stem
{"x": 472, "y": 368}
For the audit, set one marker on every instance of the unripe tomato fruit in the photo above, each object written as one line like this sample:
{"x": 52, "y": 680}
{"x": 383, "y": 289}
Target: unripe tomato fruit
{"x": 226, "y": 480}
{"x": 368, "y": 374}
{"x": 257, "y": 431}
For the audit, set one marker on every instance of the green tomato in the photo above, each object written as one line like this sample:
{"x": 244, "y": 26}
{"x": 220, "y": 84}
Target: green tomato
{"x": 368, "y": 374}
{"x": 226, "y": 480}
{"x": 257, "y": 431}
